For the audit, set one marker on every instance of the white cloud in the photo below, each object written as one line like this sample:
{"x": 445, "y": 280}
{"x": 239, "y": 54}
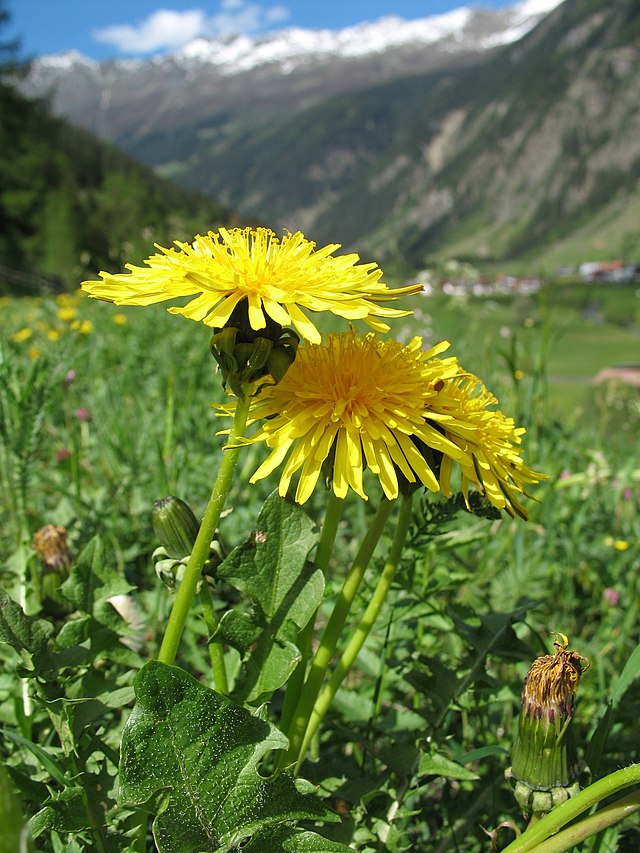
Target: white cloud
{"x": 162, "y": 29}
{"x": 166, "y": 29}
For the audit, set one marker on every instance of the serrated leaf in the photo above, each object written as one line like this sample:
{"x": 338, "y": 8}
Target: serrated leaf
{"x": 91, "y": 582}
{"x": 284, "y": 588}
{"x": 270, "y": 566}
{"x": 65, "y": 812}
{"x": 24, "y": 633}
{"x": 193, "y": 755}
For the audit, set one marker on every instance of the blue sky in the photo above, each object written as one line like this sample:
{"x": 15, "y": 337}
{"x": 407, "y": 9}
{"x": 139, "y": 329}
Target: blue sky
{"x": 105, "y": 29}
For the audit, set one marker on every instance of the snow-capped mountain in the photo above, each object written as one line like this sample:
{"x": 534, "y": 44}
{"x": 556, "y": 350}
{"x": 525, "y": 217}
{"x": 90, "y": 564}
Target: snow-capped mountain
{"x": 281, "y": 69}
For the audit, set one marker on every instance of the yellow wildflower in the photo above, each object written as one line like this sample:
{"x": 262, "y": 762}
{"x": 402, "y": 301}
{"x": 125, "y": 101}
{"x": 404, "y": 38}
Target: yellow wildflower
{"x": 280, "y": 279}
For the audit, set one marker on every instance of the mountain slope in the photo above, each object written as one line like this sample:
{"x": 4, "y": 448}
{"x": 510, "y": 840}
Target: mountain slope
{"x": 70, "y": 205}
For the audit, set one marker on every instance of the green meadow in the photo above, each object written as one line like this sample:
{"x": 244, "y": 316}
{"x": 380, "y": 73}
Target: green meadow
{"x": 106, "y": 410}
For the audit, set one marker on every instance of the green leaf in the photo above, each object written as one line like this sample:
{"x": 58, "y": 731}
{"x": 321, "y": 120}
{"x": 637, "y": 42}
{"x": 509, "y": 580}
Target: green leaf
{"x": 65, "y": 812}
{"x": 14, "y": 835}
{"x": 24, "y": 633}
{"x": 193, "y": 756}
{"x": 435, "y": 763}
{"x": 294, "y": 840}
{"x": 48, "y": 762}
{"x": 599, "y": 737}
{"x": 91, "y": 582}
{"x": 284, "y": 588}
{"x": 630, "y": 672}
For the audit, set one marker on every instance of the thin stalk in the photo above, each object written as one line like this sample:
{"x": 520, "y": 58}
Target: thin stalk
{"x": 216, "y": 653}
{"x": 331, "y": 635}
{"x": 27, "y": 704}
{"x": 607, "y": 816}
{"x": 305, "y": 638}
{"x": 187, "y": 588}
{"x": 366, "y": 623}
{"x": 590, "y": 796}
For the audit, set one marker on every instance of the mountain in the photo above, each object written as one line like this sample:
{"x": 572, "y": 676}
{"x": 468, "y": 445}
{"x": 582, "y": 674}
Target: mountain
{"x": 71, "y": 205}
{"x": 497, "y": 144}
{"x": 219, "y": 83}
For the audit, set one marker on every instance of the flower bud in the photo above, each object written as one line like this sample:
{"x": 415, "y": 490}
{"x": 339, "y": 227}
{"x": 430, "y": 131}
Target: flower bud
{"x": 175, "y": 525}
{"x": 245, "y": 355}
{"x": 545, "y": 769}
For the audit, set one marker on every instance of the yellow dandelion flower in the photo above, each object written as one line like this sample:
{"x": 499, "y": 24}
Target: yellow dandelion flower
{"x": 491, "y": 442}
{"x": 22, "y": 335}
{"x": 85, "y": 327}
{"x": 67, "y": 314}
{"x": 68, "y": 300}
{"x": 356, "y": 402}
{"x": 279, "y": 279}
{"x": 620, "y": 544}
{"x": 54, "y": 335}
{"x": 34, "y": 353}
{"x": 119, "y": 319}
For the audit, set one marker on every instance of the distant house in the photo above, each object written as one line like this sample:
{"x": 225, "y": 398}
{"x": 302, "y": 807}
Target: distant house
{"x": 612, "y": 272}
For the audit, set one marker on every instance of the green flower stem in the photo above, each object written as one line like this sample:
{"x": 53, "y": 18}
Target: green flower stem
{"x": 590, "y": 796}
{"x": 607, "y": 816}
{"x": 187, "y": 588}
{"x": 331, "y": 634}
{"x": 359, "y": 637}
{"x": 328, "y": 532}
{"x": 305, "y": 638}
{"x": 216, "y": 653}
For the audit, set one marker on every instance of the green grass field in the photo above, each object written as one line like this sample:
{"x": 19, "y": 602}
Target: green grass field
{"x": 103, "y": 411}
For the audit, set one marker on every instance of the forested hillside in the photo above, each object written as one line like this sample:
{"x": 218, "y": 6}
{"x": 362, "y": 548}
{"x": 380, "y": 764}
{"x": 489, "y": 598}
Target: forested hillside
{"x": 70, "y": 205}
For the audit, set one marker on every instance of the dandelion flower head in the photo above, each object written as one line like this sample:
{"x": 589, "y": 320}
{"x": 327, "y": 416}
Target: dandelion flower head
{"x": 279, "y": 278}
{"x": 492, "y": 461}
{"x": 361, "y": 402}
{"x": 355, "y": 402}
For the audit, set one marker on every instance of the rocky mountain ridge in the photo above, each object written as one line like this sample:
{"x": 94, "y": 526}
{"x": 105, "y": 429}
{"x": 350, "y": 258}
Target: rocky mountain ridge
{"x": 268, "y": 73}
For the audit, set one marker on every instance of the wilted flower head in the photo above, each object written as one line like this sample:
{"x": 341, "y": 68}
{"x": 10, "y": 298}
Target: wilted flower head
{"x": 279, "y": 278}
{"x": 51, "y": 547}
{"x": 545, "y": 766}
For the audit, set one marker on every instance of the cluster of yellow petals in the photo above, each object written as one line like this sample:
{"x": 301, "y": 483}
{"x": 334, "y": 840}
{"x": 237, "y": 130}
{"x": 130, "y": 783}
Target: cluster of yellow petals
{"x": 465, "y": 411}
{"x": 361, "y": 402}
{"x": 279, "y": 278}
